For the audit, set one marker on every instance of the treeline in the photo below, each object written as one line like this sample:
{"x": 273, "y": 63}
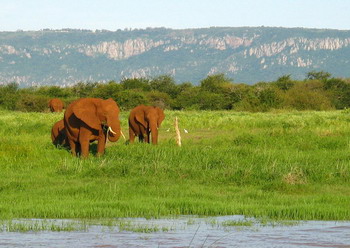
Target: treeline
{"x": 319, "y": 91}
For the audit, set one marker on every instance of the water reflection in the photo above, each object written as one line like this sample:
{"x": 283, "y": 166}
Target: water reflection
{"x": 185, "y": 231}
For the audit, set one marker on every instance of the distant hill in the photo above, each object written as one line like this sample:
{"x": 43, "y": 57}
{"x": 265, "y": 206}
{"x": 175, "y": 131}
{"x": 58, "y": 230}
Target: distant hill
{"x": 245, "y": 54}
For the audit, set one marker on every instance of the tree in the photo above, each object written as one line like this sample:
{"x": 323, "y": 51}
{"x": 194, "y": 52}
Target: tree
{"x": 83, "y": 89}
{"x": 106, "y": 91}
{"x": 217, "y": 83}
{"x": 128, "y": 99}
{"x": 165, "y": 83}
{"x": 307, "y": 97}
{"x": 9, "y": 94}
{"x": 284, "y": 82}
{"x": 319, "y": 75}
{"x": 136, "y": 83}
{"x": 340, "y": 92}
{"x": 159, "y": 99}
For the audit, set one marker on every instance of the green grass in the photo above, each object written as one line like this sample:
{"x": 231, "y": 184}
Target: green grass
{"x": 237, "y": 223}
{"x": 42, "y": 225}
{"x": 282, "y": 165}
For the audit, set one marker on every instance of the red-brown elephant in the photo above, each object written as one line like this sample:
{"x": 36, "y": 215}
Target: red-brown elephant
{"x": 56, "y": 105}
{"x": 143, "y": 121}
{"x": 58, "y": 134}
{"x": 90, "y": 119}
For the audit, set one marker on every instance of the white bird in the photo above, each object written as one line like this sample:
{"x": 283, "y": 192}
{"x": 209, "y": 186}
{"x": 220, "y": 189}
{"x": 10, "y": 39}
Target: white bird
{"x": 168, "y": 130}
{"x": 185, "y": 131}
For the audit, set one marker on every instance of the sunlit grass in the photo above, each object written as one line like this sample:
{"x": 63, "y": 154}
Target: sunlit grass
{"x": 283, "y": 165}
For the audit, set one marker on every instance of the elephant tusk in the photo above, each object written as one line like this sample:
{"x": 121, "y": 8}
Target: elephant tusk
{"x": 110, "y": 129}
{"x": 122, "y": 134}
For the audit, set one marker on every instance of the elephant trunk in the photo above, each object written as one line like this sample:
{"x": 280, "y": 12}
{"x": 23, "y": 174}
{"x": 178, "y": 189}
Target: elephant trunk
{"x": 154, "y": 132}
{"x": 114, "y": 129}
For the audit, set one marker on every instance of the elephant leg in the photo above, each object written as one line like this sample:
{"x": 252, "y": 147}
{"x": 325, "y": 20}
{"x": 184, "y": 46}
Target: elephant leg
{"x": 84, "y": 144}
{"x": 101, "y": 144}
{"x": 131, "y": 135}
{"x": 149, "y": 136}
{"x": 73, "y": 147}
{"x": 143, "y": 133}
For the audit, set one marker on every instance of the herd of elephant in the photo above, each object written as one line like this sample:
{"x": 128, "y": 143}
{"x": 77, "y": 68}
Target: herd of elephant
{"x": 88, "y": 119}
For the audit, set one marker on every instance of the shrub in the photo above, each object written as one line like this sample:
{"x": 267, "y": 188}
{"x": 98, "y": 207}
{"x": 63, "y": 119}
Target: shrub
{"x": 9, "y": 94}
{"x": 106, "y": 91}
{"x": 159, "y": 99}
{"x": 217, "y": 83}
{"x": 210, "y": 101}
{"x": 339, "y": 91}
{"x": 187, "y": 99}
{"x": 135, "y": 83}
{"x": 166, "y": 84}
{"x": 128, "y": 99}
{"x": 302, "y": 97}
{"x": 32, "y": 103}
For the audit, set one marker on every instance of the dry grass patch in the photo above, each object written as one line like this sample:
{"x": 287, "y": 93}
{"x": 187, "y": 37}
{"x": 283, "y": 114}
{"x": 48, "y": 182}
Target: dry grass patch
{"x": 295, "y": 177}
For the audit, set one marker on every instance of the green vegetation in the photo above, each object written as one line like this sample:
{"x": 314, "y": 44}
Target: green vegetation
{"x": 143, "y": 228}
{"x": 216, "y": 92}
{"x": 237, "y": 223}
{"x": 280, "y": 165}
{"x": 41, "y": 225}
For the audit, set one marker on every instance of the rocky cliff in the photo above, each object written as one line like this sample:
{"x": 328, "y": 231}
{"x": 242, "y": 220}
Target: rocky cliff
{"x": 249, "y": 55}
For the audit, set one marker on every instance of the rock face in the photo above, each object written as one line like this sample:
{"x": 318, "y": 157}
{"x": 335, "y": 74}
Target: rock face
{"x": 249, "y": 55}
{"x": 117, "y": 50}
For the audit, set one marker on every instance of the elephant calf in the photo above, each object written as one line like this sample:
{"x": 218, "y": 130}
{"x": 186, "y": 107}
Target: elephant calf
{"x": 59, "y": 135}
{"x": 144, "y": 120}
{"x": 56, "y": 105}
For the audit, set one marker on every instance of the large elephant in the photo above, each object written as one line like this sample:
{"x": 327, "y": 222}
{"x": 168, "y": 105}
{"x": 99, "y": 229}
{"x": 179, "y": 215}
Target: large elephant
{"x": 56, "y": 105}
{"x": 90, "y": 119}
{"x": 144, "y": 120}
{"x": 59, "y": 134}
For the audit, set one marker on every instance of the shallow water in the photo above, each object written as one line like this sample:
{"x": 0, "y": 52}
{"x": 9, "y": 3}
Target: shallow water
{"x": 188, "y": 231}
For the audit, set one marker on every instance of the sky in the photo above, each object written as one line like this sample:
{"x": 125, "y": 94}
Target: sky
{"x": 178, "y": 14}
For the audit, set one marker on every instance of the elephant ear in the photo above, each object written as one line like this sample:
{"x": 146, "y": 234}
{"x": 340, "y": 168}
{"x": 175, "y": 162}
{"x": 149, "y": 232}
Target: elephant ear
{"x": 140, "y": 117}
{"x": 86, "y": 111}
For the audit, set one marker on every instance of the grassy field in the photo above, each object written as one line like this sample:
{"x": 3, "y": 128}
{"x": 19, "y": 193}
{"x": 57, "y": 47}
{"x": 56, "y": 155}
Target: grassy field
{"x": 282, "y": 165}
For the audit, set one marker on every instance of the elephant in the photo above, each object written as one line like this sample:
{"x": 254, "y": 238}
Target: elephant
{"x": 90, "y": 119}
{"x": 144, "y": 120}
{"x": 56, "y": 105}
{"x": 59, "y": 134}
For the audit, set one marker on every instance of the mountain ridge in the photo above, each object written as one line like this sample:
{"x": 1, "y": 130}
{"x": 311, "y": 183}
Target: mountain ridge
{"x": 246, "y": 54}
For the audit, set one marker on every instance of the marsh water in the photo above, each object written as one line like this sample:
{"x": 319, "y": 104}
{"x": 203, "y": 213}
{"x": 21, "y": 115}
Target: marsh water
{"x": 184, "y": 231}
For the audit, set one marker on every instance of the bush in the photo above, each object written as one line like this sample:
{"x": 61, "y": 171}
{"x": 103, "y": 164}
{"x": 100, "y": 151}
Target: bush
{"x": 128, "y": 99}
{"x": 217, "y": 83}
{"x": 159, "y": 99}
{"x": 339, "y": 91}
{"x": 302, "y": 97}
{"x": 52, "y": 91}
{"x": 32, "y": 103}
{"x": 269, "y": 98}
{"x": 106, "y": 91}
{"x": 210, "y": 101}
{"x": 166, "y": 84}
{"x": 136, "y": 83}
{"x": 284, "y": 83}
{"x": 9, "y": 95}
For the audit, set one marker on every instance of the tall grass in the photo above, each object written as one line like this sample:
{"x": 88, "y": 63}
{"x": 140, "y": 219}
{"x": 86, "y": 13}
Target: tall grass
{"x": 282, "y": 165}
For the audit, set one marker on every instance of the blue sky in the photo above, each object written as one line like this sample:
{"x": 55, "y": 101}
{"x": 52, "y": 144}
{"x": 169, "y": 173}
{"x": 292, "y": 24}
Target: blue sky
{"x": 179, "y": 14}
